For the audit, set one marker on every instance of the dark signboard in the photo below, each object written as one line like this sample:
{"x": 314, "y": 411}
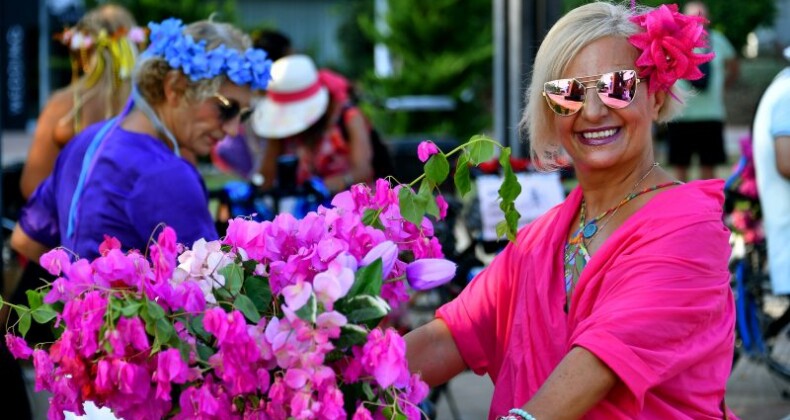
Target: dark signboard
{"x": 18, "y": 62}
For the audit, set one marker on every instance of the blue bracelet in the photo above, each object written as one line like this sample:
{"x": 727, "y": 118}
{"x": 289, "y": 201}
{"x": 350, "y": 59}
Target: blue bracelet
{"x": 521, "y": 413}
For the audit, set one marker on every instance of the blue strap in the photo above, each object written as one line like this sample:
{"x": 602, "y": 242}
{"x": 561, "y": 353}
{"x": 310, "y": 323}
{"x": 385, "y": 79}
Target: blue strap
{"x": 87, "y": 162}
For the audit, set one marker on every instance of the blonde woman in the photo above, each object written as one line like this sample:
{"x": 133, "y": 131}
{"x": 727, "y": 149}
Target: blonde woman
{"x": 615, "y": 304}
{"x": 103, "y": 47}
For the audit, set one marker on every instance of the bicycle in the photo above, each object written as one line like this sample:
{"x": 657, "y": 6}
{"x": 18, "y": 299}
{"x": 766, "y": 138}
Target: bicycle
{"x": 244, "y": 198}
{"x": 760, "y": 315}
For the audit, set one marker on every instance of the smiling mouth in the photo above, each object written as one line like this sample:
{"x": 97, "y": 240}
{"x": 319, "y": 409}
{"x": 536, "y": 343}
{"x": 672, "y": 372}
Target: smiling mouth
{"x": 598, "y": 137}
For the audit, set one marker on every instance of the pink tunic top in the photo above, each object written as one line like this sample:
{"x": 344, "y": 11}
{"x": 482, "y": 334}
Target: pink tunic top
{"x": 654, "y": 304}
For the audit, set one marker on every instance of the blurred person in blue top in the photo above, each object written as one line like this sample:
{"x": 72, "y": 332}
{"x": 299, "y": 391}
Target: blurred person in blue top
{"x": 771, "y": 146}
{"x": 127, "y": 176}
{"x": 700, "y": 129}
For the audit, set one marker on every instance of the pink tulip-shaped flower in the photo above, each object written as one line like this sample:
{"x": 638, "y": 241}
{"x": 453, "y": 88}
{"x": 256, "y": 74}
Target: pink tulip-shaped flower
{"x": 56, "y": 261}
{"x": 426, "y": 149}
{"x": 387, "y": 251}
{"x": 428, "y": 273}
{"x": 17, "y": 347}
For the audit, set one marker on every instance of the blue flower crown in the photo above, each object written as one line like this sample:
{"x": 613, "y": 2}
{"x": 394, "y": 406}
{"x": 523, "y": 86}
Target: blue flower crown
{"x": 167, "y": 40}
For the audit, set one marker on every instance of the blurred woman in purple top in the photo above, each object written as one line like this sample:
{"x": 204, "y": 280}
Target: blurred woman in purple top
{"x": 128, "y": 176}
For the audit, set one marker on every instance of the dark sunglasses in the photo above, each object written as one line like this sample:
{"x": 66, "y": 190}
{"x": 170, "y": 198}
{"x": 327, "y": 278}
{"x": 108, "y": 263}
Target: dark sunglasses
{"x": 616, "y": 90}
{"x": 229, "y": 109}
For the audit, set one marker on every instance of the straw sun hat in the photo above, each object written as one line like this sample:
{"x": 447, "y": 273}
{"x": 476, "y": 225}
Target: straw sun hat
{"x": 295, "y": 99}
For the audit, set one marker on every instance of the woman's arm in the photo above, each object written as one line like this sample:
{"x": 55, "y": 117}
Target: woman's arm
{"x": 577, "y": 384}
{"x": 27, "y": 246}
{"x": 268, "y": 168}
{"x": 782, "y": 148}
{"x": 431, "y": 351}
{"x": 45, "y": 147}
{"x": 30, "y": 249}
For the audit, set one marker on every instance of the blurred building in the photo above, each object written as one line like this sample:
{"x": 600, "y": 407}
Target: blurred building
{"x": 770, "y": 40}
{"x": 311, "y": 24}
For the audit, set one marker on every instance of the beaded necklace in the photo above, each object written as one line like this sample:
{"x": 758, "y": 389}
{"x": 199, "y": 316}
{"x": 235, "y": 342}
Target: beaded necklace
{"x": 588, "y": 229}
{"x": 591, "y": 228}
{"x": 576, "y": 253}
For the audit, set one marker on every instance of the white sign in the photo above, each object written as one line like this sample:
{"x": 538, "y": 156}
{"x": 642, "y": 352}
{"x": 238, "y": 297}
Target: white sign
{"x": 539, "y": 192}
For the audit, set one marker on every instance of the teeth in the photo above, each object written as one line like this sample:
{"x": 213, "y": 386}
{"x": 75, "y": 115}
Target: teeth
{"x": 599, "y": 134}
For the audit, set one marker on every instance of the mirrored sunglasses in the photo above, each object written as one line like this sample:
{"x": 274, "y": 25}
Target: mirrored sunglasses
{"x": 616, "y": 90}
{"x": 229, "y": 109}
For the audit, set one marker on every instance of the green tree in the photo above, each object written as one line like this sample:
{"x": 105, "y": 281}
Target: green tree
{"x": 439, "y": 47}
{"x": 357, "y": 48}
{"x": 735, "y": 19}
{"x": 145, "y": 11}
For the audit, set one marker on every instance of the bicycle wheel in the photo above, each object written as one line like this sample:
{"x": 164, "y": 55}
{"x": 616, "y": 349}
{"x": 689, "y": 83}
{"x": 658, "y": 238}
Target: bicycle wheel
{"x": 757, "y": 311}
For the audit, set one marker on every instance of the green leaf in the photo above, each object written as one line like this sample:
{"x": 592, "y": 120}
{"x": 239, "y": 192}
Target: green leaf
{"x": 367, "y": 280}
{"x": 44, "y": 314}
{"x": 234, "y": 277}
{"x": 411, "y": 207}
{"x": 437, "y": 168}
{"x": 2, "y": 302}
{"x": 351, "y": 335}
{"x": 222, "y": 294}
{"x": 426, "y": 194}
{"x": 131, "y": 309}
{"x": 309, "y": 310}
{"x": 24, "y": 323}
{"x": 163, "y": 332}
{"x": 480, "y": 149}
{"x": 245, "y": 305}
{"x": 197, "y": 327}
{"x": 334, "y": 355}
{"x": 502, "y": 229}
{"x": 249, "y": 266}
{"x": 183, "y": 348}
{"x": 204, "y": 352}
{"x": 368, "y": 390}
{"x": 258, "y": 290}
{"x": 371, "y": 218}
{"x": 154, "y": 310}
{"x": 462, "y": 177}
{"x": 364, "y": 309}
{"x": 393, "y": 413}
{"x": 511, "y": 217}
{"x": 510, "y": 188}
{"x": 34, "y": 299}
{"x": 238, "y": 403}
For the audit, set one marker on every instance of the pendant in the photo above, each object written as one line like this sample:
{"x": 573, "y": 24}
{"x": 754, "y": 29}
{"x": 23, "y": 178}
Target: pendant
{"x": 590, "y": 230}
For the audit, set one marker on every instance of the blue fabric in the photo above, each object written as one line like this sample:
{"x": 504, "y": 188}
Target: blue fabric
{"x": 780, "y": 117}
{"x": 84, "y": 172}
{"x": 136, "y": 184}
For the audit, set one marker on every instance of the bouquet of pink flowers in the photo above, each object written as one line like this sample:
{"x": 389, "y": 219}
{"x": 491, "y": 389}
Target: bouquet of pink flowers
{"x": 277, "y": 320}
{"x": 743, "y": 201}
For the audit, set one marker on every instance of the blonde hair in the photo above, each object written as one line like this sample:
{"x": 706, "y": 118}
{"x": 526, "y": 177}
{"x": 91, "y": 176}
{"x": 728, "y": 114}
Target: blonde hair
{"x": 102, "y": 67}
{"x": 564, "y": 41}
{"x": 150, "y": 73}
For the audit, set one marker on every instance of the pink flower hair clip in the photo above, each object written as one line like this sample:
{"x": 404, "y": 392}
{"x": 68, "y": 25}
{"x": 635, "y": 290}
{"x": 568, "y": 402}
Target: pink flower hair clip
{"x": 667, "y": 47}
